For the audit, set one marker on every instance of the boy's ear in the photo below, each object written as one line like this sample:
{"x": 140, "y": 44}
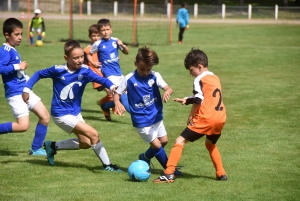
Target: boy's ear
{"x": 6, "y": 35}
{"x": 66, "y": 57}
{"x": 134, "y": 62}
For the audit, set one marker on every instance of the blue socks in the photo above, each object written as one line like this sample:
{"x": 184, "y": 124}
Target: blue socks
{"x": 159, "y": 154}
{"x": 39, "y": 37}
{"x": 6, "y": 128}
{"x": 39, "y": 137}
{"x": 111, "y": 104}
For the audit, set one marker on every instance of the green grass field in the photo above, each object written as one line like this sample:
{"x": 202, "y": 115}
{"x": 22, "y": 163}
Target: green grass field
{"x": 258, "y": 66}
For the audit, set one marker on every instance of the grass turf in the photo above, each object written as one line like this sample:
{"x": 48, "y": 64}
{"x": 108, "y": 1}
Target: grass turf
{"x": 258, "y": 66}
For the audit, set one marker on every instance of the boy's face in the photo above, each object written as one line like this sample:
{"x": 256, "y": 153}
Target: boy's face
{"x": 37, "y": 15}
{"x": 75, "y": 59}
{"x": 15, "y": 38}
{"x": 195, "y": 70}
{"x": 105, "y": 32}
{"x": 142, "y": 69}
{"x": 94, "y": 37}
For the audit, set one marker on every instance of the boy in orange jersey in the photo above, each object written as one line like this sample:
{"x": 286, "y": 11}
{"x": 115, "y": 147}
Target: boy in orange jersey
{"x": 95, "y": 36}
{"x": 207, "y": 116}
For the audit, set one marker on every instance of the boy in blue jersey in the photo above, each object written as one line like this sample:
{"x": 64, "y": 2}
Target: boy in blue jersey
{"x": 182, "y": 20}
{"x": 146, "y": 104}
{"x": 69, "y": 81}
{"x": 14, "y": 80}
{"x": 107, "y": 48}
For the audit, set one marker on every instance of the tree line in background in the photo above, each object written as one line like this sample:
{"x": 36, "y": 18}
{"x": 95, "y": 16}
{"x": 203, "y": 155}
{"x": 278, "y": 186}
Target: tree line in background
{"x": 215, "y": 2}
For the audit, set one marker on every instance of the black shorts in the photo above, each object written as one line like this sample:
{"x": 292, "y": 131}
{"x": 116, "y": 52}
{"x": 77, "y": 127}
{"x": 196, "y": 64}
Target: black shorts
{"x": 192, "y": 136}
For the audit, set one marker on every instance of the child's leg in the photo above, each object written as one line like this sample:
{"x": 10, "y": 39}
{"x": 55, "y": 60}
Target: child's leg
{"x": 215, "y": 155}
{"x": 31, "y": 37}
{"x": 40, "y": 111}
{"x": 174, "y": 158}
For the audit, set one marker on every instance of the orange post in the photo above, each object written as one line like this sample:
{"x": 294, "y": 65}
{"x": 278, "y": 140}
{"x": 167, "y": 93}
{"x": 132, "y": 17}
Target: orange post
{"x": 134, "y": 24}
{"x": 171, "y": 12}
{"x": 80, "y": 8}
{"x": 28, "y": 19}
{"x": 71, "y": 21}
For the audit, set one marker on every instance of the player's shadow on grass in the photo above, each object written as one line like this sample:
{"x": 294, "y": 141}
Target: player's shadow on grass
{"x": 43, "y": 162}
{"x": 184, "y": 176}
{"x": 8, "y": 153}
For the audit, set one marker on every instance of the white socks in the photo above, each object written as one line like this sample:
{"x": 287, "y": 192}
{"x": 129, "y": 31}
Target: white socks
{"x": 69, "y": 144}
{"x": 101, "y": 153}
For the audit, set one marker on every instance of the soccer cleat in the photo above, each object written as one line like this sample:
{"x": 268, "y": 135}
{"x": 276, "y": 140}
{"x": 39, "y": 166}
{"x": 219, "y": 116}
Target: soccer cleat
{"x": 50, "y": 150}
{"x": 106, "y": 113}
{"x": 165, "y": 178}
{"x": 178, "y": 173}
{"x": 112, "y": 168}
{"x": 38, "y": 152}
{"x": 223, "y": 177}
{"x": 143, "y": 158}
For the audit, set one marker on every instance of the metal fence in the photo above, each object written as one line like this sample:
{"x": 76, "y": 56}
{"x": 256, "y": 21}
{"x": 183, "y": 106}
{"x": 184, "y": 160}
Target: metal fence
{"x": 148, "y": 10}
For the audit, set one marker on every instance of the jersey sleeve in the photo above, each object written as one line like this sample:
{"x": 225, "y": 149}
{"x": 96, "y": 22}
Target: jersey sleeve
{"x": 198, "y": 93}
{"x": 6, "y": 68}
{"x": 159, "y": 80}
{"x": 122, "y": 87}
{"x": 94, "y": 48}
{"x": 41, "y": 74}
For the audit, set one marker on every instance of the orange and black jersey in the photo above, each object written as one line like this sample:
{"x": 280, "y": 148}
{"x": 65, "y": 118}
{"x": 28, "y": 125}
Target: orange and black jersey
{"x": 210, "y": 116}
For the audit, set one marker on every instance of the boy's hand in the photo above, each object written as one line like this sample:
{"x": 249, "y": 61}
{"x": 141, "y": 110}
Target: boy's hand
{"x": 43, "y": 34}
{"x": 166, "y": 96}
{"x": 180, "y": 100}
{"x": 25, "y": 97}
{"x": 23, "y": 65}
{"x": 119, "y": 109}
{"x": 190, "y": 121}
{"x": 97, "y": 64}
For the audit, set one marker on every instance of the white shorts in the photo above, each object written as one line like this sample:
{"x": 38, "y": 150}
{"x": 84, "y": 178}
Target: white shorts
{"x": 68, "y": 122}
{"x": 116, "y": 80}
{"x": 149, "y": 133}
{"x": 38, "y": 30}
{"x": 19, "y": 107}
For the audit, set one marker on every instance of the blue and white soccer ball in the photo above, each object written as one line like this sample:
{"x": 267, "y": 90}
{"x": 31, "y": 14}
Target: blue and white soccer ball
{"x": 139, "y": 170}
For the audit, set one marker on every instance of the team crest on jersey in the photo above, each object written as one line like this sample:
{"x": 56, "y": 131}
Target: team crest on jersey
{"x": 146, "y": 98}
{"x": 114, "y": 44}
{"x": 135, "y": 84}
{"x": 150, "y": 82}
{"x": 80, "y": 77}
{"x": 17, "y": 58}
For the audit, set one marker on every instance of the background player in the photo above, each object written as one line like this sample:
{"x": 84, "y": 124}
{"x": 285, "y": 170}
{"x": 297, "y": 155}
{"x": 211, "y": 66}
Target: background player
{"x": 207, "y": 116}
{"x": 182, "y": 20}
{"x": 107, "y": 48}
{"x": 95, "y": 36}
{"x": 37, "y": 25}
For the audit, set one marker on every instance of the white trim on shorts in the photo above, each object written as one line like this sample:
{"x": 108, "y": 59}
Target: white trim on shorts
{"x": 68, "y": 122}
{"x": 19, "y": 108}
{"x": 116, "y": 79}
{"x": 149, "y": 133}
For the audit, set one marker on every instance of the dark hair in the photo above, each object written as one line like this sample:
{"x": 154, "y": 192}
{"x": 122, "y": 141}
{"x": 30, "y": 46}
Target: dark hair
{"x": 93, "y": 29}
{"x": 147, "y": 56}
{"x": 103, "y": 22}
{"x": 70, "y": 45}
{"x": 195, "y": 57}
{"x": 183, "y": 4}
{"x": 10, "y": 24}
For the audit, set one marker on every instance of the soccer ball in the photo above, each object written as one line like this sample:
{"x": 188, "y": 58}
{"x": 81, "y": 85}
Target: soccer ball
{"x": 139, "y": 171}
{"x": 39, "y": 43}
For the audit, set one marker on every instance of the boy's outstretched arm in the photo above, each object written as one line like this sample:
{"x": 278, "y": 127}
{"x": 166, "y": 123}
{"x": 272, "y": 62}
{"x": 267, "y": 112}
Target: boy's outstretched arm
{"x": 119, "y": 107}
{"x": 123, "y": 47}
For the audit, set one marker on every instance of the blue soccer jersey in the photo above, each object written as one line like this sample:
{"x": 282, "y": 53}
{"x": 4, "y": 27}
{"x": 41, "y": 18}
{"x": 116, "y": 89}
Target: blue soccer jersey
{"x": 146, "y": 107}
{"x": 68, "y": 87}
{"x": 108, "y": 55}
{"x": 13, "y": 79}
